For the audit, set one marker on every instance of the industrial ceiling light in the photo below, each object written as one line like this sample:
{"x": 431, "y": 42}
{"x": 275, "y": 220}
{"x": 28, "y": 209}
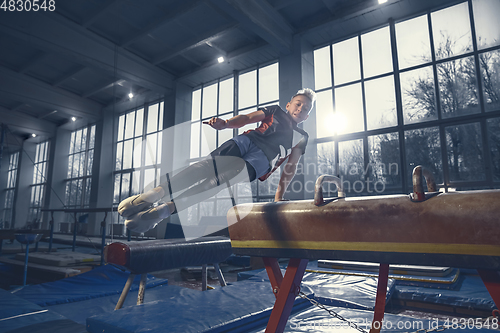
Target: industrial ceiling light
{"x": 220, "y": 60}
{"x": 382, "y": 1}
{"x": 33, "y": 135}
{"x": 73, "y": 118}
{"x": 130, "y": 95}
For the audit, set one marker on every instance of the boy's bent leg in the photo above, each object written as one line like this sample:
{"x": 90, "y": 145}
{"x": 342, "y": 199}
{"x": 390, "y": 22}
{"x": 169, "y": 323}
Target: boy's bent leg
{"x": 230, "y": 171}
{"x": 223, "y": 167}
{"x": 184, "y": 179}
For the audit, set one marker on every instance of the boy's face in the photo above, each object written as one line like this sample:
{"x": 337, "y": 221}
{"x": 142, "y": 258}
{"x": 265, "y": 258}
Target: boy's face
{"x": 299, "y": 108}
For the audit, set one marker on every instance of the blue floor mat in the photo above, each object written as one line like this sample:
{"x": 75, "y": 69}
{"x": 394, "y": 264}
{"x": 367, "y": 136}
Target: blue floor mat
{"x": 236, "y": 308}
{"x": 441, "y": 278}
{"x": 101, "y": 281}
{"x": 350, "y": 291}
{"x": 316, "y": 320}
{"x": 472, "y": 294}
{"x": 80, "y": 311}
{"x": 21, "y": 316}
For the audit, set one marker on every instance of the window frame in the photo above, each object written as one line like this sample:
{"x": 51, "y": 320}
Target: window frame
{"x": 402, "y": 128}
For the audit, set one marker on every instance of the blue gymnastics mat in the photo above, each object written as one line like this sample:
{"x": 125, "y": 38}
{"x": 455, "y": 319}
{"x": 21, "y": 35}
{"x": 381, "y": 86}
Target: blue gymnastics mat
{"x": 101, "y": 281}
{"x": 350, "y": 291}
{"x": 410, "y": 275}
{"x": 21, "y": 316}
{"x": 316, "y": 320}
{"x": 80, "y": 311}
{"x": 238, "y": 307}
{"x": 472, "y": 294}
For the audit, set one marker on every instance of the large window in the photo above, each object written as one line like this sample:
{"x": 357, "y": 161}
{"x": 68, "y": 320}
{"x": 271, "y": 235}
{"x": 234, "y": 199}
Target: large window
{"x": 428, "y": 85}
{"x": 39, "y": 181}
{"x": 10, "y": 191}
{"x": 255, "y": 88}
{"x": 80, "y": 161}
{"x": 138, "y": 151}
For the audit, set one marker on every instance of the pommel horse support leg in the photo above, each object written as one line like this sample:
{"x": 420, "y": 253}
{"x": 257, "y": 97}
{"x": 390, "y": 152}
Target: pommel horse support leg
{"x": 457, "y": 229}
{"x": 285, "y": 290}
{"x": 142, "y": 257}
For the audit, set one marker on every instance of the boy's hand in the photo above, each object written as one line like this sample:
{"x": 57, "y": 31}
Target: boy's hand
{"x": 216, "y": 123}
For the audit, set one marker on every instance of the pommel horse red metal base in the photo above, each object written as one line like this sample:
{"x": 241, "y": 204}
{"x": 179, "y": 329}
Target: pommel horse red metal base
{"x": 286, "y": 289}
{"x": 459, "y": 229}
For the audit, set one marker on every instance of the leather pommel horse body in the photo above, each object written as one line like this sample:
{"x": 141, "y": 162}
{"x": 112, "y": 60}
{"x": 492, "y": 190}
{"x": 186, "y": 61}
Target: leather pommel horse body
{"x": 457, "y": 229}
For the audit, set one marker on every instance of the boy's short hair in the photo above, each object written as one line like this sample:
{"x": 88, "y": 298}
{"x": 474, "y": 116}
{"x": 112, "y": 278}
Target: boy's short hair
{"x": 309, "y": 93}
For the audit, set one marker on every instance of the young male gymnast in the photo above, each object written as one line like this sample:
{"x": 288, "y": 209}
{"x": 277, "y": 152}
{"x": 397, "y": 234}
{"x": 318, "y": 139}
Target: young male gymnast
{"x": 258, "y": 151}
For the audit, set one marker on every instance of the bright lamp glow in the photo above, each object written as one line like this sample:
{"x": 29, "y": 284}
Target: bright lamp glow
{"x": 336, "y": 123}
{"x": 73, "y": 118}
{"x": 382, "y": 1}
{"x": 33, "y": 135}
{"x": 130, "y": 95}
{"x": 220, "y": 60}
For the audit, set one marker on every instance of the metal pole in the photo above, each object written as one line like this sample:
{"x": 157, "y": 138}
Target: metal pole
{"x": 103, "y": 241}
{"x": 378, "y": 313}
{"x": 2, "y": 135}
{"x": 142, "y": 289}
{"x": 26, "y": 263}
{"x": 74, "y": 233}
{"x": 51, "y": 224}
{"x": 204, "y": 277}
{"x": 285, "y": 293}
{"x": 222, "y": 281}
{"x": 125, "y": 291}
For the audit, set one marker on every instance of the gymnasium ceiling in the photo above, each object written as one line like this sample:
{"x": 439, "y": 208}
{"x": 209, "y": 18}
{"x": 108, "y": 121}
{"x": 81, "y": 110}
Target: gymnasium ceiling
{"x": 84, "y": 58}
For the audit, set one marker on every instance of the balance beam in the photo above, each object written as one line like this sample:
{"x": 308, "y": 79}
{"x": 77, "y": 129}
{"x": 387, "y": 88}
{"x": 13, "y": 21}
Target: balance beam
{"x": 458, "y": 229}
{"x": 142, "y": 257}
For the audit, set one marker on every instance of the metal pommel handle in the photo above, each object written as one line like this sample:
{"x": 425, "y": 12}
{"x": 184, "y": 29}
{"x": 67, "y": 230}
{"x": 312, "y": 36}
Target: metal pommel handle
{"x": 318, "y": 188}
{"x": 418, "y": 184}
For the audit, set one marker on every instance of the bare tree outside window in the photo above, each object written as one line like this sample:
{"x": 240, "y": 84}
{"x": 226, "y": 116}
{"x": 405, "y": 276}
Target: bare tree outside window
{"x": 490, "y": 73}
{"x": 465, "y": 152}
{"x": 494, "y": 142}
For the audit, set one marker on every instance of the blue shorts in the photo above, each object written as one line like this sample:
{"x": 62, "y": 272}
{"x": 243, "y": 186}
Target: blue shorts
{"x": 252, "y": 154}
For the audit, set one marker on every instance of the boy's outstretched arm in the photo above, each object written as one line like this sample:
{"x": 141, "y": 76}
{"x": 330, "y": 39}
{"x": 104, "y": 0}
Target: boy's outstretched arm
{"x": 236, "y": 121}
{"x": 288, "y": 173}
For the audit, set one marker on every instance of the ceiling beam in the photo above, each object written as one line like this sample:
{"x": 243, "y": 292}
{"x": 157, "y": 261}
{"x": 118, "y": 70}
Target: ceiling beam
{"x": 47, "y": 114}
{"x": 262, "y": 19}
{"x": 26, "y": 123}
{"x": 345, "y": 10}
{"x": 280, "y": 4}
{"x": 68, "y": 76}
{"x": 331, "y": 5}
{"x": 17, "y": 107}
{"x": 140, "y": 98}
{"x": 33, "y": 62}
{"x": 218, "y": 49}
{"x": 57, "y": 34}
{"x": 191, "y": 44}
{"x": 231, "y": 57}
{"x": 102, "y": 9}
{"x": 185, "y": 7}
{"x": 102, "y": 87}
{"x": 25, "y": 89}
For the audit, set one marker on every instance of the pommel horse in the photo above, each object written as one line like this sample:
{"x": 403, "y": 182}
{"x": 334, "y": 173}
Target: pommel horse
{"x": 142, "y": 257}
{"x": 457, "y": 229}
